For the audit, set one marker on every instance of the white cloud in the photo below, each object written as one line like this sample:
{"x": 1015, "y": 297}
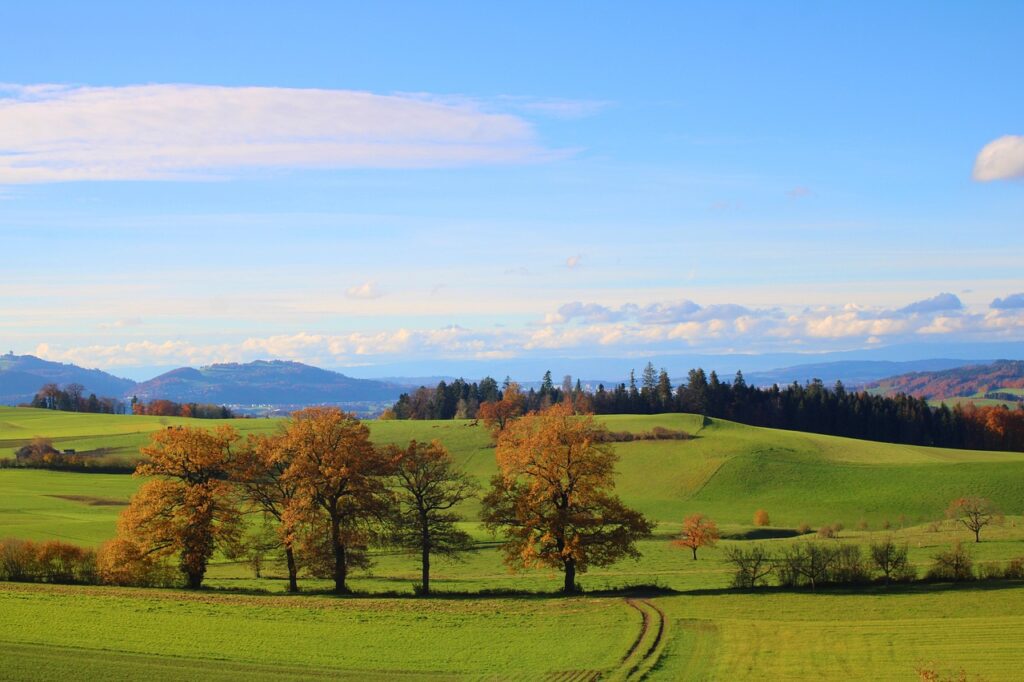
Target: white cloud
{"x": 580, "y": 328}
{"x": 169, "y": 131}
{"x": 1000, "y": 159}
{"x": 366, "y": 290}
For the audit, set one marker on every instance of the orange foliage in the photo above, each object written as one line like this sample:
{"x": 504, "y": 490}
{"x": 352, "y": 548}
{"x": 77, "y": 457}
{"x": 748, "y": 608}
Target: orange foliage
{"x": 336, "y": 472}
{"x": 698, "y": 531}
{"x": 497, "y": 415}
{"x": 188, "y": 509}
{"x": 761, "y": 518}
{"x": 553, "y": 499}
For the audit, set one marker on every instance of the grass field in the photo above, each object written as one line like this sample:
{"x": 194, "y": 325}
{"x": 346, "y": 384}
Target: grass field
{"x": 727, "y": 471}
{"x": 52, "y": 632}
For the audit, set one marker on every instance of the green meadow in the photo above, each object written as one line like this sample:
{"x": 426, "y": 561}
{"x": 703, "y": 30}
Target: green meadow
{"x": 693, "y": 629}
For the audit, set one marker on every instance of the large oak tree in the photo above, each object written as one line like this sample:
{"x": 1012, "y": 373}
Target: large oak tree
{"x": 428, "y": 487}
{"x": 259, "y": 469}
{"x": 339, "y": 480}
{"x": 553, "y": 496}
{"x": 188, "y": 509}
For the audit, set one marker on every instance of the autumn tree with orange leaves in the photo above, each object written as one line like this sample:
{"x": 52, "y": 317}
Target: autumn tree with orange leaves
{"x": 259, "y": 469}
{"x": 497, "y": 415}
{"x": 339, "y": 480}
{"x": 698, "y": 531}
{"x": 188, "y": 509}
{"x": 552, "y": 497}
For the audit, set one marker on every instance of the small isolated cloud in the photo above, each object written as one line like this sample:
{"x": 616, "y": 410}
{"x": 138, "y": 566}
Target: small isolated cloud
{"x": 1000, "y": 159}
{"x": 572, "y": 261}
{"x": 799, "y": 192}
{"x": 122, "y": 323}
{"x": 366, "y": 290}
{"x": 1011, "y": 302}
{"x": 173, "y": 131}
{"x": 939, "y": 303}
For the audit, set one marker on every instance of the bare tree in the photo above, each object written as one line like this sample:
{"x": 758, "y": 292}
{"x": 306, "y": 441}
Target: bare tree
{"x": 975, "y": 513}
{"x": 889, "y": 558}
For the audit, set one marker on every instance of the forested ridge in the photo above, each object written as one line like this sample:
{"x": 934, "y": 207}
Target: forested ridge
{"x": 810, "y": 407}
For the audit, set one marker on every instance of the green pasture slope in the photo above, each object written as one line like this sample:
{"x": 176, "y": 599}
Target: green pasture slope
{"x": 727, "y": 471}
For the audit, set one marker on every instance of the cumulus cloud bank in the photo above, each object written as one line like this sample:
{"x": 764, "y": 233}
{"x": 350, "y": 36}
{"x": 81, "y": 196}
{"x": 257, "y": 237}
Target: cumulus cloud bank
{"x": 1000, "y": 159}
{"x": 579, "y": 327}
{"x": 1011, "y": 302}
{"x": 944, "y": 301}
{"x": 165, "y": 131}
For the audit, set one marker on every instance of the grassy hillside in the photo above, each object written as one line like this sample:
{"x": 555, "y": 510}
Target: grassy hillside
{"x": 727, "y": 471}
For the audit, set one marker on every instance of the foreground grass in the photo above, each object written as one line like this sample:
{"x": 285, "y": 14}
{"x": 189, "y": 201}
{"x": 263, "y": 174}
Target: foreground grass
{"x": 52, "y": 632}
{"x": 529, "y": 637}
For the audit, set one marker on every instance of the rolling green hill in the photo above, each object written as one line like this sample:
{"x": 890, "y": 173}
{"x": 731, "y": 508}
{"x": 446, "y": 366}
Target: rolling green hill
{"x": 727, "y": 471}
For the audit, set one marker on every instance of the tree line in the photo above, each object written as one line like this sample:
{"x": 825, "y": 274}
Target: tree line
{"x": 169, "y": 408}
{"x": 810, "y": 407}
{"x": 72, "y": 398}
{"x": 321, "y": 493}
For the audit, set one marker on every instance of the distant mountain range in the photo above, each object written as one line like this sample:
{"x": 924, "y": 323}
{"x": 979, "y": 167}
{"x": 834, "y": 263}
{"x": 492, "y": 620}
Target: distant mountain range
{"x": 970, "y": 380}
{"x": 279, "y": 382}
{"x": 263, "y": 382}
{"x": 22, "y": 375}
{"x": 274, "y": 382}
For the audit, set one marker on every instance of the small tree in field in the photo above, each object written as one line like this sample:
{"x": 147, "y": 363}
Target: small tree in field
{"x": 761, "y": 518}
{"x": 752, "y": 565}
{"x": 428, "y": 486}
{"x": 552, "y": 496}
{"x": 187, "y": 509}
{"x": 889, "y": 558}
{"x": 698, "y": 531}
{"x": 954, "y": 564}
{"x": 974, "y": 513}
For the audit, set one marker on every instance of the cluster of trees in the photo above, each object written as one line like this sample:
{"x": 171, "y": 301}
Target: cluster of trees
{"x": 72, "y": 398}
{"x": 40, "y": 453}
{"x": 169, "y": 408}
{"x": 49, "y": 562}
{"x": 812, "y": 407}
{"x": 329, "y": 493}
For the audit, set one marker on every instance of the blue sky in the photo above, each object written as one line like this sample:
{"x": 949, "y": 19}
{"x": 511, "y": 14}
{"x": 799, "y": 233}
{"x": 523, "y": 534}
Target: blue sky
{"x": 367, "y": 183}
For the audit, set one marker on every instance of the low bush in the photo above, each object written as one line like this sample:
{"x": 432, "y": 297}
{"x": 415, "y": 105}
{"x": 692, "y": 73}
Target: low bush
{"x": 955, "y": 564}
{"x": 49, "y": 562}
{"x": 657, "y": 433}
{"x": 1014, "y": 569}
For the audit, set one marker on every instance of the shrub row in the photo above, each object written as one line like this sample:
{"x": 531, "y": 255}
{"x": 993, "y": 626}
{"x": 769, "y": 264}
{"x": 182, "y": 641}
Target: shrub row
{"x": 657, "y": 433}
{"x": 62, "y": 563}
{"x": 811, "y": 564}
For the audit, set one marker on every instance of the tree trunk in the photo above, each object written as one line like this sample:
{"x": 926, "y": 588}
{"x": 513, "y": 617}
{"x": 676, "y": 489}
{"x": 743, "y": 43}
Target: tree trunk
{"x": 195, "y": 579}
{"x": 570, "y": 577}
{"x": 340, "y": 564}
{"x": 977, "y": 535}
{"x": 694, "y": 553}
{"x": 425, "y": 556}
{"x": 293, "y": 571}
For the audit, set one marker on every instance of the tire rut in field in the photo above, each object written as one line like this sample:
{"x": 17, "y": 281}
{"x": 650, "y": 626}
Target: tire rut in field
{"x": 643, "y": 654}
